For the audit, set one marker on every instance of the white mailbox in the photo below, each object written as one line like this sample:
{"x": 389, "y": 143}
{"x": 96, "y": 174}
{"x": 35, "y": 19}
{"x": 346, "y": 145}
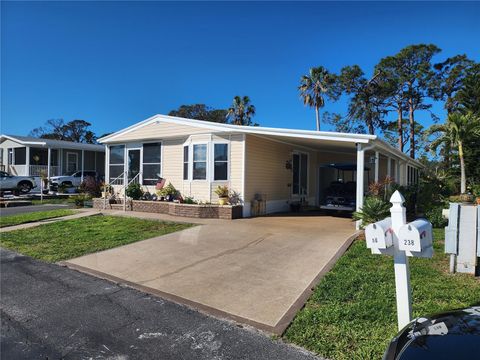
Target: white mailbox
{"x": 416, "y": 237}
{"x": 379, "y": 235}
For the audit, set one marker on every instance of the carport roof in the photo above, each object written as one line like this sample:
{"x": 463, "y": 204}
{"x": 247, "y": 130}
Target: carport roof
{"x": 307, "y": 138}
{"x": 57, "y": 144}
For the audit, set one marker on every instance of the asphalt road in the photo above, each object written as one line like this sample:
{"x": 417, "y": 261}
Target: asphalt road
{"x": 31, "y": 208}
{"x": 52, "y": 312}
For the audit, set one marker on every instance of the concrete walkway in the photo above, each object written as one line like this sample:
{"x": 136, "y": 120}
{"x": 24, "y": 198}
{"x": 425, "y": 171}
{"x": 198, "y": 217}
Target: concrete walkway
{"x": 258, "y": 271}
{"x": 81, "y": 213}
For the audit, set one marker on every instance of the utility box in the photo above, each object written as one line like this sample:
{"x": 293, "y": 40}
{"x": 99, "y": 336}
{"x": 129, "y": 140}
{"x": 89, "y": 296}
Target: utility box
{"x": 379, "y": 235}
{"x": 467, "y": 239}
{"x": 451, "y": 231}
{"x": 416, "y": 237}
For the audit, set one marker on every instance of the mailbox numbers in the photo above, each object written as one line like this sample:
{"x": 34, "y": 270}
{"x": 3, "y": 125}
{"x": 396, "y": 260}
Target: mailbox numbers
{"x": 375, "y": 240}
{"x": 408, "y": 242}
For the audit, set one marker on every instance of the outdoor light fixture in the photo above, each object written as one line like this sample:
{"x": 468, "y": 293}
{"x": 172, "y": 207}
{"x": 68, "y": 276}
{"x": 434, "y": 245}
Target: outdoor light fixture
{"x": 288, "y": 165}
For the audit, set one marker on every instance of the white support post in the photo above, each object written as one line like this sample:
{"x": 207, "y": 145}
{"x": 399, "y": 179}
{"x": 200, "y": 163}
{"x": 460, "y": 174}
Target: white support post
{"x": 360, "y": 181}
{"x": 49, "y": 163}
{"x": 60, "y": 161}
{"x": 389, "y": 166}
{"x": 377, "y": 165}
{"x": 27, "y": 160}
{"x": 402, "y": 272}
{"x": 83, "y": 165}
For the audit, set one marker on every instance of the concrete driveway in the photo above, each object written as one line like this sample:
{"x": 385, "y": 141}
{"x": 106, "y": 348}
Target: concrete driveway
{"x": 258, "y": 271}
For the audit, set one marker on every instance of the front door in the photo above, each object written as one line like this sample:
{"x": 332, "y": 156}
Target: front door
{"x": 72, "y": 162}
{"x": 133, "y": 163}
{"x": 300, "y": 174}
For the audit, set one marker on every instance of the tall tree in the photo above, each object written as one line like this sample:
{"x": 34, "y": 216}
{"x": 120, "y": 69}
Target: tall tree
{"x": 366, "y": 102}
{"x": 468, "y": 97}
{"x": 75, "y": 130}
{"x": 241, "y": 111}
{"x": 451, "y": 73}
{"x": 200, "y": 112}
{"x": 457, "y": 130}
{"x": 315, "y": 86}
{"x": 410, "y": 75}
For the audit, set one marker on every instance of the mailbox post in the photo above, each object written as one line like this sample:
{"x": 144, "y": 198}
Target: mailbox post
{"x": 393, "y": 236}
{"x": 402, "y": 271}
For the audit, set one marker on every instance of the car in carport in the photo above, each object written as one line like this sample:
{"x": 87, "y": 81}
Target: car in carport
{"x": 21, "y": 184}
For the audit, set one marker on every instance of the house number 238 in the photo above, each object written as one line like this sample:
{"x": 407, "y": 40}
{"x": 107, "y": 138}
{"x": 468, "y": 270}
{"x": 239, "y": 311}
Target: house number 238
{"x": 408, "y": 242}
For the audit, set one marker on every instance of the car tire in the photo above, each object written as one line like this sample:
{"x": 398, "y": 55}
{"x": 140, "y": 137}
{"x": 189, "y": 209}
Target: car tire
{"x": 24, "y": 187}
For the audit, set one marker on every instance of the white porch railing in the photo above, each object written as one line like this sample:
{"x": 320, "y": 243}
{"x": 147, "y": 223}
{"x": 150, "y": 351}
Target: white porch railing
{"x": 119, "y": 180}
{"x": 134, "y": 180}
{"x": 39, "y": 170}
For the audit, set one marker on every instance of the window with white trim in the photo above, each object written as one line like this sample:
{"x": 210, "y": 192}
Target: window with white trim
{"x": 152, "y": 163}
{"x": 185, "y": 163}
{"x": 199, "y": 161}
{"x": 220, "y": 162}
{"x": 117, "y": 162}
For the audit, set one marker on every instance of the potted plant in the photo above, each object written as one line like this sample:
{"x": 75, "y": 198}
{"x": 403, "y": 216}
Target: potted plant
{"x": 222, "y": 192}
{"x": 168, "y": 193}
{"x": 476, "y": 193}
{"x": 107, "y": 189}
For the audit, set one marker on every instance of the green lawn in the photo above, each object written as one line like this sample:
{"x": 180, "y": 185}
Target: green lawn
{"x": 71, "y": 238}
{"x": 11, "y": 220}
{"x": 352, "y": 312}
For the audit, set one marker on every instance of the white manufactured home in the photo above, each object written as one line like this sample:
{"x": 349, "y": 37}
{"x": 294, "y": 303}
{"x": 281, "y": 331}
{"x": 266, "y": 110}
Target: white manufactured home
{"x": 281, "y": 167}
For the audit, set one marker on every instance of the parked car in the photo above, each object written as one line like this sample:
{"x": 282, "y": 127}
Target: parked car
{"x": 22, "y": 184}
{"x": 450, "y": 335}
{"x": 73, "y": 179}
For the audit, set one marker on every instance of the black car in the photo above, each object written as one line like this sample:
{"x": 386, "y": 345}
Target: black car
{"x": 452, "y": 335}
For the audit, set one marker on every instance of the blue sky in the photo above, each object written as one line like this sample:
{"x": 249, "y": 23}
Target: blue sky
{"x": 116, "y": 63}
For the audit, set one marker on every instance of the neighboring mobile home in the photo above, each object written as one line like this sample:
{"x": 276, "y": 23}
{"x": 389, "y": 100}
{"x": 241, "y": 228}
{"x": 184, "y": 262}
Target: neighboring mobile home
{"x": 280, "y": 167}
{"x": 29, "y": 156}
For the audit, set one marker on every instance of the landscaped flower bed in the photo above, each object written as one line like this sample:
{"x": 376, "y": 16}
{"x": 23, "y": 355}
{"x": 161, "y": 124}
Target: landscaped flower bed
{"x": 177, "y": 209}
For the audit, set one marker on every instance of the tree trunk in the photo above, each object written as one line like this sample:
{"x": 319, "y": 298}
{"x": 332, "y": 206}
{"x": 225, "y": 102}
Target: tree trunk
{"x": 463, "y": 180}
{"x": 400, "y": 128}
{"x": 412, "y": 129}
{"x": 371, "y": 130}
{"x": 317, "y": 115}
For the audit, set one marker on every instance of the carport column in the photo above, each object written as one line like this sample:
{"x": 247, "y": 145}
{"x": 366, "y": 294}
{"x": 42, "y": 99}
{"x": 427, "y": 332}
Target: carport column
{"x": 27, "y": 161}
{"x": 377, "y": 164}
{"x": 83, "y": 165}
{"x": 360, "y": 174}
{"x": 389, "y": 168}
{"x": 49, "y": 162}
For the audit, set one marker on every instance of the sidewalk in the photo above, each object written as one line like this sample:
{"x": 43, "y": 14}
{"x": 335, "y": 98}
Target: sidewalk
{"x": 82, "y": 213}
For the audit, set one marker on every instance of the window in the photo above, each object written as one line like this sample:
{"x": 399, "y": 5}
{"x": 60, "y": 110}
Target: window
{"x": 299, "y": 173}
{"x": 152, "y": 155}
{"x": 185, "y": 163}
{"x": 220, "y": 166}
{"x": 117, "y": 162}
{"x": 200, "y": 162}
{"x": 20, "y": 156}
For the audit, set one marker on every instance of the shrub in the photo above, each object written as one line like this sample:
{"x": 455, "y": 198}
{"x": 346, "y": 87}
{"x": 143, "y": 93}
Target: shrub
{"x": 189, "y": 200}
{"x": 90, "y": 187}
{"x": 134, "y": 191}
{"x": 222, "y": 191}
{"x": 79, "y": 200}
{"x": 168, "y": 190}
{"x": 434, "y": 215}
{"x": 373, "y": 210}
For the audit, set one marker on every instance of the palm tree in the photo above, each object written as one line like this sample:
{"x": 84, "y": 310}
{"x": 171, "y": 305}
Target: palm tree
{"x": 241, "y": 111}
{"x": 458, "y": 128}
{"x": 313, "y": 87}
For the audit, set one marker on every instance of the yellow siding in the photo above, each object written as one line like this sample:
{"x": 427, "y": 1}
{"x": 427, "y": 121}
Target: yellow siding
{"x": 266, "y": 173}
{"x": 160, "y": 130}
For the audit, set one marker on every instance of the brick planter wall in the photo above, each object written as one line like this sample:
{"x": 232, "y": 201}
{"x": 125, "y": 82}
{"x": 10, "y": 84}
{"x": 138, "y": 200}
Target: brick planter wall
{"x": 187, "y": 210}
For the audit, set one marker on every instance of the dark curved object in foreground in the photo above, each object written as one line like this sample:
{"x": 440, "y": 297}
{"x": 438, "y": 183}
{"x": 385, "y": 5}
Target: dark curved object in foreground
{"x": 450, "y": 335}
